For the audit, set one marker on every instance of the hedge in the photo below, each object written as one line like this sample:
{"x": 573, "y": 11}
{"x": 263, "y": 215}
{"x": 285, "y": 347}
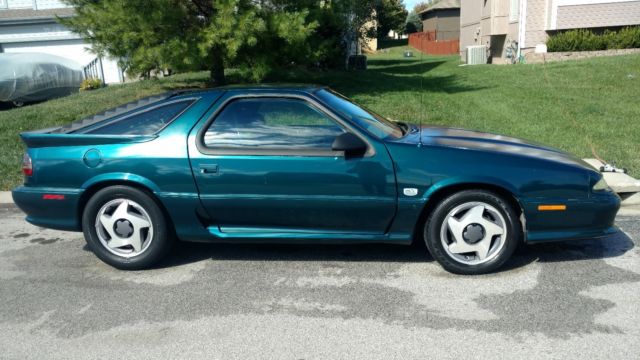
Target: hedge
{"x": 587, "y": 40}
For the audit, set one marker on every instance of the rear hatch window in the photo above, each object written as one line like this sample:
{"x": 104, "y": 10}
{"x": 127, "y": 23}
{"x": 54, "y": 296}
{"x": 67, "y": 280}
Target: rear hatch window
{"x": 145, "y": 122}
{"x": 141, "y": 117}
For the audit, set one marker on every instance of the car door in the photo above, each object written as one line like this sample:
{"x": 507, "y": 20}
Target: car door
{"x": 265, "y": 163}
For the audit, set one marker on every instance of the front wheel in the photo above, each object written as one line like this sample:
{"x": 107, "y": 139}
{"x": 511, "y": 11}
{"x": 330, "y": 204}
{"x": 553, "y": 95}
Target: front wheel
{"x": 472, "y": 232}
{"x": 126, "y": 228}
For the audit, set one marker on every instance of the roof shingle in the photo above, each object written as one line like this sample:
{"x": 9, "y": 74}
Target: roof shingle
{"x": 443, "y": 4}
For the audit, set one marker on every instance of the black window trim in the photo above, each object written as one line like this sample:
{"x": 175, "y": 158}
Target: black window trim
{"x": 220, "y": 150}
{"x": 107, "y": 122}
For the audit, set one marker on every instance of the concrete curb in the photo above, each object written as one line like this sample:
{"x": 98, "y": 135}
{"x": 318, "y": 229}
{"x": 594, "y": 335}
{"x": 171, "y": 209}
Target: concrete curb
{"x": 5, "y": 197}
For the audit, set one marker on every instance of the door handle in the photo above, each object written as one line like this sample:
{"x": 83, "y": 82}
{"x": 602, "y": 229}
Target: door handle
{"x": 209, "y": 169}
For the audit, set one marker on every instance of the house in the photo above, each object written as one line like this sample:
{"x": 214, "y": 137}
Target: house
{"x": 443, "y": 18}
{"x": 513, "y": 27}
{"x": 31, "y": 26}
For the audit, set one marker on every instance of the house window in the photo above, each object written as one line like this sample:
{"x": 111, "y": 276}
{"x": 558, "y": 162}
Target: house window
{"x": 514, "y": 10}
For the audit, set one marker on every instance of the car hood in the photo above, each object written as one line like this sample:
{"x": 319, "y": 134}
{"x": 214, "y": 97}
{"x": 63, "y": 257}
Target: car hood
{"x": 474, "y": 140}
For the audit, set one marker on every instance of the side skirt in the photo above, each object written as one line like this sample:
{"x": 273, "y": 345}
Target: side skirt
{"x": 278, "y": 235}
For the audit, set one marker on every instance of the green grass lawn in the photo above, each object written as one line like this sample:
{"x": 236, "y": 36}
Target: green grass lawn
{"x": 580, "y": 106}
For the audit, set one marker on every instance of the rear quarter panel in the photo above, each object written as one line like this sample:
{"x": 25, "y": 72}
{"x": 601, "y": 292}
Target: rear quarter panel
{"x": 160, "y": 165}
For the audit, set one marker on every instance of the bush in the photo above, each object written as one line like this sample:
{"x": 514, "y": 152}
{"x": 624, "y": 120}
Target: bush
{"x": 91, "y": 84}
{"x": 587, "y": 40}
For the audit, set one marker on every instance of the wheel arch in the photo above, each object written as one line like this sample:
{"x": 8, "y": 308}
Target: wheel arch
{"x": 435, "y": 196}
{"x": 93, "y": 186}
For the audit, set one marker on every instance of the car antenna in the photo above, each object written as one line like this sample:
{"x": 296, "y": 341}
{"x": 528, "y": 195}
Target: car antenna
{"x": 421, "y": 105}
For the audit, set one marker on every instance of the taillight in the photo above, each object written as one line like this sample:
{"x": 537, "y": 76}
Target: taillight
{"x": 27, "y": 165}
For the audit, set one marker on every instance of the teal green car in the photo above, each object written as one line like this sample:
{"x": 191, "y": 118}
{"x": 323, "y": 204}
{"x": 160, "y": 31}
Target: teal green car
{"x": 301, "y": 164}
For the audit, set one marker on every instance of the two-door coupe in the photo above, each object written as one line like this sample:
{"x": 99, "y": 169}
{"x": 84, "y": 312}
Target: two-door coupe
{"x": 301, "y": 164}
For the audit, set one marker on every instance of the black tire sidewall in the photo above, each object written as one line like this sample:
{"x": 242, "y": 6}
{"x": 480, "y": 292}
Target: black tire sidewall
{"x": 160, "y": 243}
{"x": 437, "y": 217}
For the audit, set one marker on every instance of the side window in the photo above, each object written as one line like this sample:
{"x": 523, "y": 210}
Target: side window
{"x": 271, "y": 123}
{"x": 145, "y": 123}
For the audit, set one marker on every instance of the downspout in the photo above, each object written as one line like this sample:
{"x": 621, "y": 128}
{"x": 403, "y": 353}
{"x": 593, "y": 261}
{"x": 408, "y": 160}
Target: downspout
{"x": 522, "y": 27}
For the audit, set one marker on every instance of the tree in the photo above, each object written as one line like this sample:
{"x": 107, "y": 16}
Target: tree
{"x": 197, "y": 34}
{"x": 356, "y": 18}
{"x": 391, "y": 15}
{"x": 413, "y": 23}
{"x": 422, "y": 6}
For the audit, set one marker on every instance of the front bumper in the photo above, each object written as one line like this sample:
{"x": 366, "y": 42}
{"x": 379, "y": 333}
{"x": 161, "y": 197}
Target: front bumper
{"x": 51, "y": 208}
{"x": 585, "y": 218}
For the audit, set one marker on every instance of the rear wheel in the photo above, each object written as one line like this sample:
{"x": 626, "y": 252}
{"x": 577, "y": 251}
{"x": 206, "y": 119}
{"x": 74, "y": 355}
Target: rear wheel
{"x": 126, "y": 228}
{"x": 472, "y": 232}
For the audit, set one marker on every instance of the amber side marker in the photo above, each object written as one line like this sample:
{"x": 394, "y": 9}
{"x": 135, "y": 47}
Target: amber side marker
{"x": 552, "y": 207}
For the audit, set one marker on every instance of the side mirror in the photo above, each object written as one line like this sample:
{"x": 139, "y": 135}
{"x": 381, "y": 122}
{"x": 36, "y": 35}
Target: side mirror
{"x": 350, "y": 144}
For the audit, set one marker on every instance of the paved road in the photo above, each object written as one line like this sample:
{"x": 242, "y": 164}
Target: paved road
{"x": 574, "y": 300}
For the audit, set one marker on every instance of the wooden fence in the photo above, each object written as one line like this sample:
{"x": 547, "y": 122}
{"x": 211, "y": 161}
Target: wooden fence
{"x": 427, "y": 43}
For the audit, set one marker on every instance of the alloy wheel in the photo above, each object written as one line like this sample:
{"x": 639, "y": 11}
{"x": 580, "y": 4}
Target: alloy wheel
{"x": 473, "y": 233}
{"x": 124, "y": 228}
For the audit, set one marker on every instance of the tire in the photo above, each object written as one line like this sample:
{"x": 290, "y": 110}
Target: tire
{"x": 472, "y": 232}
{"x": 126, "y": 228}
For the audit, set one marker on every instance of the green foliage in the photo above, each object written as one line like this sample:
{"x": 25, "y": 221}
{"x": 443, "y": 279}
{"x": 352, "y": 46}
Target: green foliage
{"x": 197, "y": 34}
{"x": 354, "y": 18}
{"x": 391, "y": 15}
{"x": 252, "y": 37}
{"x": 587, "y": 40}
{"x": 413, "y": 23}
{"x": 90, "y": 84}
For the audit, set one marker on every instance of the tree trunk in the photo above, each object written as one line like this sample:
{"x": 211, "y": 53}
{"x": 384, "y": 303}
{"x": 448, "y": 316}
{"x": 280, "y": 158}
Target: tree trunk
{"x": 217, "y": 76}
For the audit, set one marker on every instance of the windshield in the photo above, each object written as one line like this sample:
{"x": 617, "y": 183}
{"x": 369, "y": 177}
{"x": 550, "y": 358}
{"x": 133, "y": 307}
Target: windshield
{"x": 366, "y": 119}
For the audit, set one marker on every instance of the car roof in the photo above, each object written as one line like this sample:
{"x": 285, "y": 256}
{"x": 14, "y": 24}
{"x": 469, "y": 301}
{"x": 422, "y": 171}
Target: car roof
{"x": 308, "y": 88}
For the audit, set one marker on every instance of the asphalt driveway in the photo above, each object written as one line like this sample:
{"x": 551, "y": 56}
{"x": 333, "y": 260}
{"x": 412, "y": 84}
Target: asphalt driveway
{"x": 571, "y": 300}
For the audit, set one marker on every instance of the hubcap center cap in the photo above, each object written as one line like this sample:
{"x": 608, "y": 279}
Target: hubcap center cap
{"x": 123, "y": 228}
{"x": 473, "y": 233}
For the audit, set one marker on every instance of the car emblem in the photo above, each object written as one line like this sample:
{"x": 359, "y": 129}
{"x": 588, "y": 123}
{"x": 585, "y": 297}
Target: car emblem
{"x": 410, "y": 191}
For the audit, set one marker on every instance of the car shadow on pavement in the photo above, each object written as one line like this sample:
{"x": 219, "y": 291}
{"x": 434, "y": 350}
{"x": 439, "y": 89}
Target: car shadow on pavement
{"x": 588, "y": 249}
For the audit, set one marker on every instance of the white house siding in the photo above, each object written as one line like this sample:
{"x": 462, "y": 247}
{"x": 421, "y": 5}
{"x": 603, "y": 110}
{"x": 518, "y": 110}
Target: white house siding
{"x": 31, "y": 4}
{"x": 19, "y": 4}
{"x": 34, "y": 32}
{"x": 598, "y": 15}
{"x": 49, "y": 4}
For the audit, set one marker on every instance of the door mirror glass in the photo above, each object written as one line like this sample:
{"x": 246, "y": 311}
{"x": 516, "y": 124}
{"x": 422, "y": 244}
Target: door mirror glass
{"x": 351, "y": 144}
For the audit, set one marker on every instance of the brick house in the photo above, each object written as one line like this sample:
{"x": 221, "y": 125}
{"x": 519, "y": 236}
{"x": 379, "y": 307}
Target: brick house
{"x": 518, "y": 26}
{"x": 443, "y": 18}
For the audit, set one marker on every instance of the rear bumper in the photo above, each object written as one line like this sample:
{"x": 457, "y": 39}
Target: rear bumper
{"x": 583, "y": 219}
{"x": 51, "y": 208}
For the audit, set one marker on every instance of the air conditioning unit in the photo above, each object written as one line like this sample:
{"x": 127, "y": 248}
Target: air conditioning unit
{"x": 476, "y": 54}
